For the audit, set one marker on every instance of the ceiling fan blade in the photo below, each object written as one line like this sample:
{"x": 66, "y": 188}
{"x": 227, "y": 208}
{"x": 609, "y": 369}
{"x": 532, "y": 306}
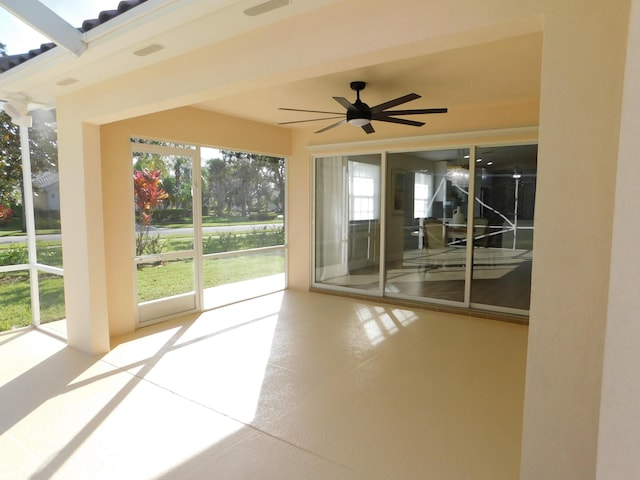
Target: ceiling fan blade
{"x": 400, "y": 120}
{"x": 393, "y": 103}
{"x": 332, "y": 126}
{"x": 311, "y": 120}
{"x": 368, "y": 128}
{"x": 309, "y": 111}
{"x": 420, "y": 111}
{"x": 344, "y": 102}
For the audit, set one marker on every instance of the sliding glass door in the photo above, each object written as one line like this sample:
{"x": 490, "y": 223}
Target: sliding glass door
{"x": 426, "y": 255}
{"x": 347, "y": 222}
{"x": 451, "y": 227}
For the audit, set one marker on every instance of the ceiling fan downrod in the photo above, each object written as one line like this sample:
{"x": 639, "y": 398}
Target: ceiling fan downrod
{"x": 360, "y": 113}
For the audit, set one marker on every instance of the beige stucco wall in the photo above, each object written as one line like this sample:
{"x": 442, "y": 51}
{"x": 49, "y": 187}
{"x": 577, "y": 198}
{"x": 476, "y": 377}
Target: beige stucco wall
{"x": 619, "y": 426}
{"x": 580, "y": 106}
{"x": 582, "y": 75}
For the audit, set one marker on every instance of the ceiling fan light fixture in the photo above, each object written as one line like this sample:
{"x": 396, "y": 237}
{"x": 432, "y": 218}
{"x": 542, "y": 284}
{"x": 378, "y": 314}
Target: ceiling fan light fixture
{"x": 359, "y": 122}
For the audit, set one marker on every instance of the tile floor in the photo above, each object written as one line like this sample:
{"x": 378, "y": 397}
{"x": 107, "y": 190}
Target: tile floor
{"x": 292, "y": 385}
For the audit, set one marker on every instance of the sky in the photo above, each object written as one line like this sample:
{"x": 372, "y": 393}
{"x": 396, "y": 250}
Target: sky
{"x": 20, "y": 38}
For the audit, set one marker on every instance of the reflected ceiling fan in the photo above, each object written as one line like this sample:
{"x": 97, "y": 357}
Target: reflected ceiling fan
{"x": 361, "y": 115}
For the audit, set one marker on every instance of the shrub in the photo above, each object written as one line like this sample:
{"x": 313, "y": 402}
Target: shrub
{"x": 266, "y": 236}
{"x": 227, "y": 241}
{"x": 262, "y": 216}
{"x": 14, "y": 255}
{"x": 5, "y": 214}
{"x": 47, "y": 224}
{"x": 172, "y": 215}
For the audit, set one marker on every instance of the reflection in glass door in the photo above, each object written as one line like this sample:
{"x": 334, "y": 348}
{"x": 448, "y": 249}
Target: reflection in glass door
{"x": 426, "y": 227}
{"x": 503, "y": 208}
{"x": 165, "y": 246}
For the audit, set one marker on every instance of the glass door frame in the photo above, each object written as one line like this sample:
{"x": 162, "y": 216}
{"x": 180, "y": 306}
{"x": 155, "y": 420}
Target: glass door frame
{"x": 465, "y": 302}
{"x": 150, "y": 312}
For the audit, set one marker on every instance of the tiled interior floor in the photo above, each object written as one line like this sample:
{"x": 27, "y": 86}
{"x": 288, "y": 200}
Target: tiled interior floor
{"x": 292, "y": 385}
{"x": 501, "y": 277}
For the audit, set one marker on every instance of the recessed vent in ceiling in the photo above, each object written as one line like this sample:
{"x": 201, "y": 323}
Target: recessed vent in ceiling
{"x": 66, "y": 82}
{"x": 143, "y": 52}
{"x": 265, "y": 7}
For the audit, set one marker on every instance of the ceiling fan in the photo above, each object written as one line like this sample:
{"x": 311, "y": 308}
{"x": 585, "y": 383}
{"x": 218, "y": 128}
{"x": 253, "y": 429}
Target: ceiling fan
{"x": 360, "y": 114}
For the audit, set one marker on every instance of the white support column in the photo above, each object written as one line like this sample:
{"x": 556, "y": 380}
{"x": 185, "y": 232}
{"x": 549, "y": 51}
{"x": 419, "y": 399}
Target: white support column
{"x": 83, "y": 244}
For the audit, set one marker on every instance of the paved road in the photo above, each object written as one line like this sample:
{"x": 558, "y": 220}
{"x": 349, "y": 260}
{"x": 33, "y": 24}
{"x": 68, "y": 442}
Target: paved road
{"x": 162, "y": 231}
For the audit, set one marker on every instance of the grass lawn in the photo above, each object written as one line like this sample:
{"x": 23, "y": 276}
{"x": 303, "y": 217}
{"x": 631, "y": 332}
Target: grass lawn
{"x": 173, "y": 278}
{"x": 15, "y": 309}
{"x": 13, "y": 228}
{"x": 154, "y": 282}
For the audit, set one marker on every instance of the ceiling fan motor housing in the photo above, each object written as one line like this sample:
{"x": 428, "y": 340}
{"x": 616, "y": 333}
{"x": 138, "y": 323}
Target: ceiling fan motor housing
{"x": 359, "y": 114}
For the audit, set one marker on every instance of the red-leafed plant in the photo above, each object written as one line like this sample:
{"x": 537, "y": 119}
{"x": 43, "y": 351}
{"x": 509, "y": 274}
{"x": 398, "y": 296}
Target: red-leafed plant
{"x": 5, "y": 213}
{"x": 148, "y": 195}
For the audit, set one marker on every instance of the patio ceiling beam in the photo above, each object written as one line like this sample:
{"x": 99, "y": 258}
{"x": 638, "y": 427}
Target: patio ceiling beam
{"x": 48, "y": 23}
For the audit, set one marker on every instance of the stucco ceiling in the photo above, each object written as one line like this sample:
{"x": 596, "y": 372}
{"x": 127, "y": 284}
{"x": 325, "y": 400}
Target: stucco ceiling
{"x": 487, "y": 76}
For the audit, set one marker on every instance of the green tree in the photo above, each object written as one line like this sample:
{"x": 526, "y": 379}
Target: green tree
{"x": 43, "y": 140}
{"x": 272, "y": 170}
{"x": 10, "y": 162}
{"x": 180, "y": 180}
{"x": 150, "y": 161}
{"x": 243, "y": 180}
{"x": 216, "y": 189}
{"x": 43, "y": 144}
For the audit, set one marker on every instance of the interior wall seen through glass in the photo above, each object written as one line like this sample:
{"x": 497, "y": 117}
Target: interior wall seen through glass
{"x": 347, "y": 221}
